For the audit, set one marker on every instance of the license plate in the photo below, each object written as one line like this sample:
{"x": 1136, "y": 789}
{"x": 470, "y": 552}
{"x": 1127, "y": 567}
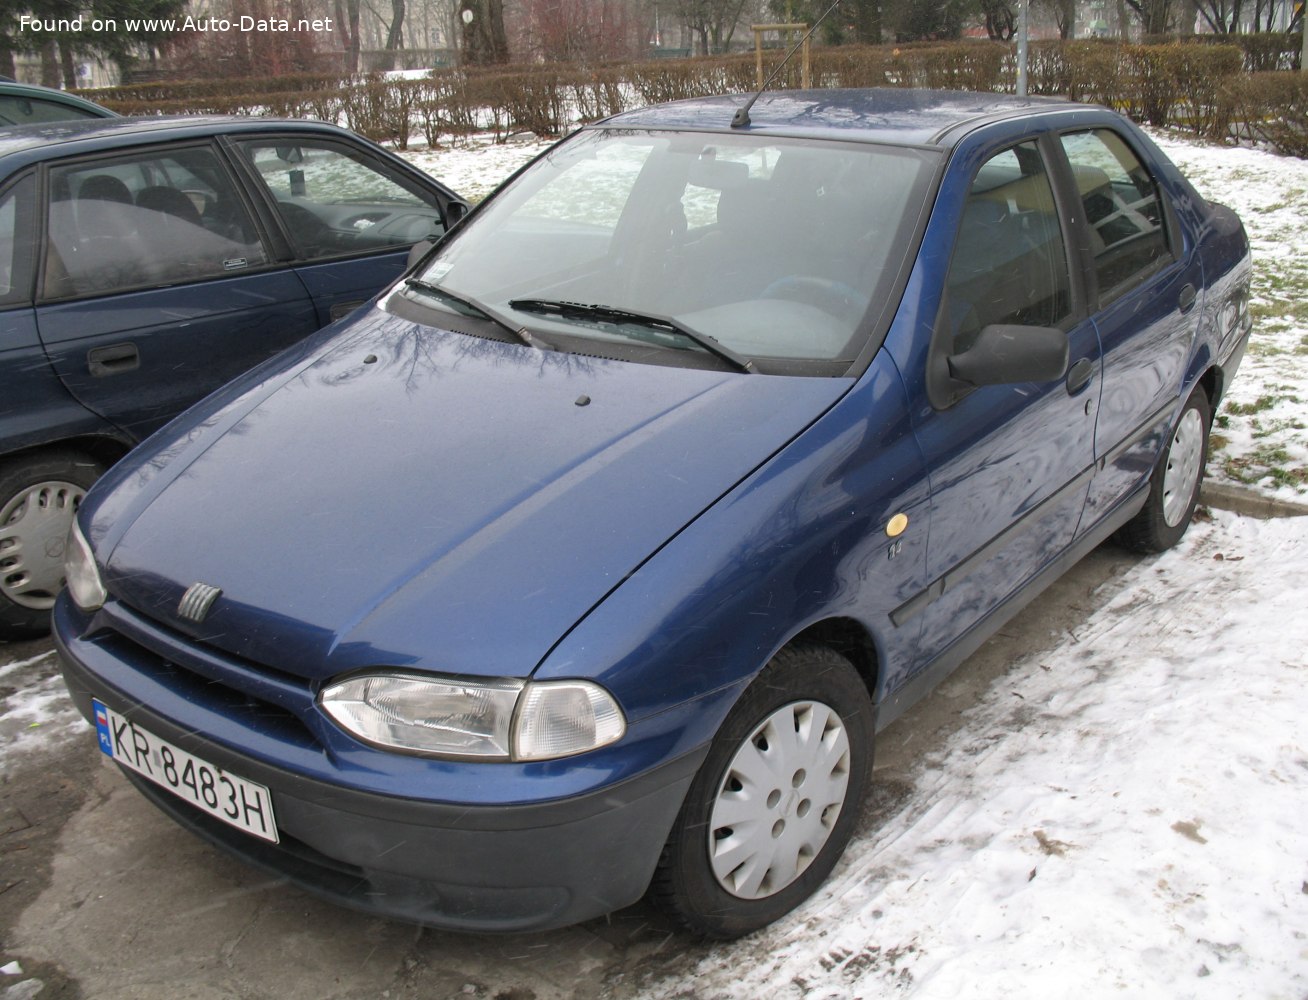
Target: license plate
{"x": 244, "y": 804}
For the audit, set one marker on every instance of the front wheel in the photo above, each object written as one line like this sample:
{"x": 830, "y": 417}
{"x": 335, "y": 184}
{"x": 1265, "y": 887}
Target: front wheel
{"x": 38, "y": 500}
{"x": 775, "y": 802}
{"x": 1174, "y": 486}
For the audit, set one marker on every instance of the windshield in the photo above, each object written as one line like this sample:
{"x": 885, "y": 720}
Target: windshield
{"x": 773, "y": 248}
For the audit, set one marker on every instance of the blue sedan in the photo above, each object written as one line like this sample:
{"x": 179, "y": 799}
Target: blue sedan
{"x": 589, "y": 559}
{"x": 145, "y": 262}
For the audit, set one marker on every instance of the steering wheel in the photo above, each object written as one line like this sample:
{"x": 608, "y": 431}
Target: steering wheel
{"x": 312, "y": 234}
{"x": 834, "y": 297}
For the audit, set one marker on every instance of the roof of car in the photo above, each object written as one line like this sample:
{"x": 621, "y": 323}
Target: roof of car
{"x": 38, "y": 142}
{"x": 901, "y": 116}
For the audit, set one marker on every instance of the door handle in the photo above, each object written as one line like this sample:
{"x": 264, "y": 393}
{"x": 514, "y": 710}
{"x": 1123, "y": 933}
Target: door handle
{"x": 113, "y": 360}
{"x": 1185, "y": 301}
{"x": 1079, "y": 376}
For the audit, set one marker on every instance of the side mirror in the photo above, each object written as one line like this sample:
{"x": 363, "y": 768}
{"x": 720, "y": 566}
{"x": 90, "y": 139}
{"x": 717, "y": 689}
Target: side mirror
{"x": 455, "y": 211}
{"x": 1004, "y": 354}
{"x": 417, "y": 252}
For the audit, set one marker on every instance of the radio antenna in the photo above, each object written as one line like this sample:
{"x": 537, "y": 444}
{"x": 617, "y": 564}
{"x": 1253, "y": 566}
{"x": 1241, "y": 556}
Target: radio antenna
{"x": 741, "y": 118}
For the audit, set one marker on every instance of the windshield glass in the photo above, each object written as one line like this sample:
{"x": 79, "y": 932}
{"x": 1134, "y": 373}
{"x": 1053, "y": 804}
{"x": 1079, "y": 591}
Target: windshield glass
{"x": 774, "y": 248}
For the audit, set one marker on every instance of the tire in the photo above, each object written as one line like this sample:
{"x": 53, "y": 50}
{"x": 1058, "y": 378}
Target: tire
{"x": 38, "y": 498}
{"x": 1174, "y": 485}
{"x": 761, "y": 826}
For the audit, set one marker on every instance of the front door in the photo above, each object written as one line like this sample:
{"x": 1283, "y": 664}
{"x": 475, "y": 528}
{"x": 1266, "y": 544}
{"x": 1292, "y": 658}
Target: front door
{"x": 1009, "y": 464}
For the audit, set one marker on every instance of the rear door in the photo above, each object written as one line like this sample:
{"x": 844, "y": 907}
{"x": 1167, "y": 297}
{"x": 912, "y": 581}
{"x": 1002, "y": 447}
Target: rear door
{"x": 1146, "y": 281}
{"x": 156, "y": 285}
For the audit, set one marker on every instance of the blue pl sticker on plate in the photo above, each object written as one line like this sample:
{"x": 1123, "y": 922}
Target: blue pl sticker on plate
{"x": 102, "y": 727}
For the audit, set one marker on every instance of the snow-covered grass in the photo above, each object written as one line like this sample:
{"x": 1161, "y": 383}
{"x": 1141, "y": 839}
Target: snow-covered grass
{"x": 1123, "y": 816}
{"x": 1261, "y": 432}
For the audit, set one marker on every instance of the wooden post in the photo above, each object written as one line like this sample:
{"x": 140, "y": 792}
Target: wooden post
{"x": 806, "y": 76}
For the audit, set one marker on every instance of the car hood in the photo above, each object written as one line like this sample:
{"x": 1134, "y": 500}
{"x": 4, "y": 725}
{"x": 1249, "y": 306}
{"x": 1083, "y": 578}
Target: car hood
{"x": 414, "y": 497}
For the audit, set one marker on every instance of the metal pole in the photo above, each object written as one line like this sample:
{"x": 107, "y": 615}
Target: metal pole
{"x": 1022, "y": 34}
{"x": 1303, "y": 55}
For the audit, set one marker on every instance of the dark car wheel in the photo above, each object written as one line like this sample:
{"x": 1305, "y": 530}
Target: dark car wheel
{"x": 772, "y": 807}
{"x": 1174, "y": 486}
{"x": 38, "y": 499}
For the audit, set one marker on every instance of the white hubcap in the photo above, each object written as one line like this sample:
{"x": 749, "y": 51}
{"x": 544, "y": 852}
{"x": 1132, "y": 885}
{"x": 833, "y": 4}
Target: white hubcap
{"x": 779, "y": 800}
{"x": 1184, "y": 459}
{"x": 33, "y": 531}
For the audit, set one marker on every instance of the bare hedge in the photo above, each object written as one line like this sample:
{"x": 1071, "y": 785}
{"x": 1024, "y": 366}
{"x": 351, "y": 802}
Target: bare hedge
{"x": 1200, "y": 87}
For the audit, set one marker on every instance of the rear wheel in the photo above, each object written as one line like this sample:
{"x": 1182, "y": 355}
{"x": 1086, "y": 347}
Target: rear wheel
{"x": 772, "y": 807}
{"x": 39, "y": 497}
{"x": 1174, "y": 486}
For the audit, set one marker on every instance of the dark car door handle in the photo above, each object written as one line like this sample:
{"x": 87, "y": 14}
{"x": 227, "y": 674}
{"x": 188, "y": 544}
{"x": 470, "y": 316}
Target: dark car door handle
{"x": 1079, "y": 376}
{"x": 1185, "y": 301}
{"x": 113, "y": 360}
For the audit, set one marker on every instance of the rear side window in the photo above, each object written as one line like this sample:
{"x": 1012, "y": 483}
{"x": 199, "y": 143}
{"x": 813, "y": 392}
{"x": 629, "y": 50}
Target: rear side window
{"x": 148, "y": 219}
{"x": 1010, "y": 262}
{"x": 1128, "y": 230}
{"x": 25, "y": 110}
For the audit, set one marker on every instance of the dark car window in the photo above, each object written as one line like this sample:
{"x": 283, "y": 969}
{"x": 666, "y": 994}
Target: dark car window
{"x": 1010, "y": 262}
{"x": 16, "y": 243}
{"x": 334, "y": 202}
{"x": 15, "y": 110}
{"x": 148, "y": 219}
{"x": 1128, "y": 232}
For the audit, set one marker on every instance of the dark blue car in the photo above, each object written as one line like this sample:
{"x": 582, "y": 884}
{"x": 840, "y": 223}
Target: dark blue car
{"x": 589, "y": 559}
{"x": 144, "y": 263}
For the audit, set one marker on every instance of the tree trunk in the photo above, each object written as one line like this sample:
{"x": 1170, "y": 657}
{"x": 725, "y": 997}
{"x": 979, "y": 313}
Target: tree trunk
{"x": 66, "y": 65}
{"x": 49, "y": 65}
{"x": 347, "y": 23}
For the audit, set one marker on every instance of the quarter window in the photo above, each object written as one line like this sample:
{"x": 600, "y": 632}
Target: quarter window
{"x": 1010, "y": 263}
{"x": 145, "y": 220}
{"x": 1128, "y": 232}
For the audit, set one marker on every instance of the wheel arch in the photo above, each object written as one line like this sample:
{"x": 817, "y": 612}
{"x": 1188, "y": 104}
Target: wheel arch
{"x": 852, "y": 640}
{"x": 103, "y": 449}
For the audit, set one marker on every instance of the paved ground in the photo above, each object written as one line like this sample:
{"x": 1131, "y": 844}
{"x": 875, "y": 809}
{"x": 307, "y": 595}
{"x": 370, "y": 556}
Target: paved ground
{"x": 102, "y": 897}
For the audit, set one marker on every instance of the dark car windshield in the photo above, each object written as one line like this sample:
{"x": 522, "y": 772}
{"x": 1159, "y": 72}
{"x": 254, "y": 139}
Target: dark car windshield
{"x": 775, "y": 248}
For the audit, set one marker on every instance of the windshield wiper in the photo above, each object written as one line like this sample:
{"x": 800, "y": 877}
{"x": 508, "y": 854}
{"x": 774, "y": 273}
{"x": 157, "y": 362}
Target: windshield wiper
{"x": 470, "y": 306}
{"x": 664, "y": 324}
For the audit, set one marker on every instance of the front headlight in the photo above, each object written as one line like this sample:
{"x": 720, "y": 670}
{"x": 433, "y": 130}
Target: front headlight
{"x": 487, "y": 720}
{"x": 80, "y": 573}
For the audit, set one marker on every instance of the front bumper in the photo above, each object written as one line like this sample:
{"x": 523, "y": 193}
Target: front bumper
{"x": 459, "y": 867}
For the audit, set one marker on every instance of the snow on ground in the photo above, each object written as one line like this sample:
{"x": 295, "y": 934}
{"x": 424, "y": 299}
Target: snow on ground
{"x": 1123, "y": 816}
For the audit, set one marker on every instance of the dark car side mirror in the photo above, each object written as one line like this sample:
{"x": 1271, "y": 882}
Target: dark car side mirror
{"x": 455, "y": 212}
{"x": 1004, "y": 353}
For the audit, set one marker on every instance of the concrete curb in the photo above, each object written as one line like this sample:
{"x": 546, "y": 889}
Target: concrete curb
{"x": 1250, "y": 503}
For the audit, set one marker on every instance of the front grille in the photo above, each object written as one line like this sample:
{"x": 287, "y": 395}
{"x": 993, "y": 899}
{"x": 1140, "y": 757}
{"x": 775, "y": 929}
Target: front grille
{"x": 264, "y": 700}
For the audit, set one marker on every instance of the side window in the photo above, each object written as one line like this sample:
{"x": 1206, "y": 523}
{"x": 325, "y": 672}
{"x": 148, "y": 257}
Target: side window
{"x": 333, "y": 201}
{"x": 1009, "y": 263}
{"x": 16, "y": 254}
{"x": 148, "y": 219}
{"x": 1128, "y": 231}
{"x": 24, "y": 110}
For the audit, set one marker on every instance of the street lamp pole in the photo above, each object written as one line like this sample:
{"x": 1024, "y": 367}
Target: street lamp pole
{"x": 1022, "y": 33}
